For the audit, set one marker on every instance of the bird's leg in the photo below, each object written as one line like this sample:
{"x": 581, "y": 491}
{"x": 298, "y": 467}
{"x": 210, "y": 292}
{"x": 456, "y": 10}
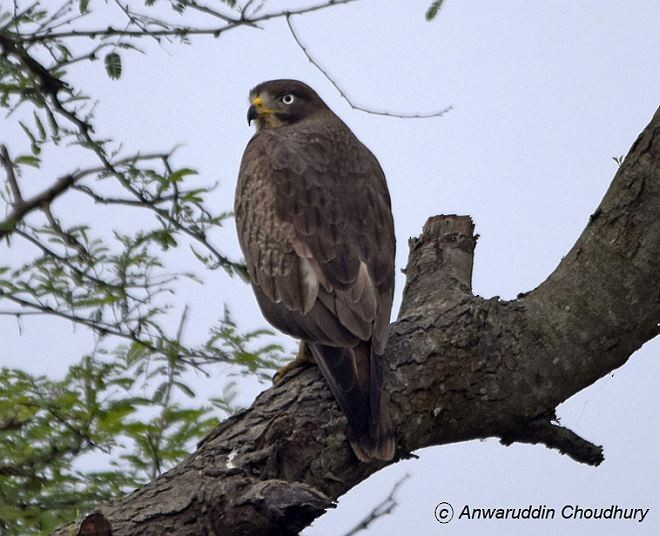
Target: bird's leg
{"x": 302, "y": 359}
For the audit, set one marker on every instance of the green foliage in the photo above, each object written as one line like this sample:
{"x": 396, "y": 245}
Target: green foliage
{"x": 433, "y": 9}
{"x": 100, "y": 405}
{"x": 113, "y": 65}
{"x": 44, "y": 426}
{"x": 130, "y": 401}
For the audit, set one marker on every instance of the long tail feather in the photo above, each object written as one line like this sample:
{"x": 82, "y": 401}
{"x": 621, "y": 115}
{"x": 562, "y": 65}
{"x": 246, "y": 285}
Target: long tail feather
{"x": 354, "y": 376}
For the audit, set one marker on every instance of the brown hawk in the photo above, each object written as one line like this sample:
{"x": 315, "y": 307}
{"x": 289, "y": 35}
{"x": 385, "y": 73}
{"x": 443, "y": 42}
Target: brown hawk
{"x": 315, "y": 225}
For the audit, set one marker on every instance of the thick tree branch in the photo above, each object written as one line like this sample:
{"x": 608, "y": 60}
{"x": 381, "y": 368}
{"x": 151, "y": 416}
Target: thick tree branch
{"x": 543, "y": 431}
{"x": 459, "y": 367}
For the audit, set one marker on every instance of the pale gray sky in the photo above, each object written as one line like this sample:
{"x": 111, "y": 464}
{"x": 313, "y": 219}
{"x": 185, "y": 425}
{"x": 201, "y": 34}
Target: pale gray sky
{"x": 545, "y": 93}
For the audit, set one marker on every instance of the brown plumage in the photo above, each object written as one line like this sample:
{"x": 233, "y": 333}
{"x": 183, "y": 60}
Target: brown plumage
{"x": 315, "y": 225}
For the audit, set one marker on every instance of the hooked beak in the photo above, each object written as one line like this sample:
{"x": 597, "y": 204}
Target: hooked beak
{"x": 252, "y": 114}
{"x": 258, "y": 109}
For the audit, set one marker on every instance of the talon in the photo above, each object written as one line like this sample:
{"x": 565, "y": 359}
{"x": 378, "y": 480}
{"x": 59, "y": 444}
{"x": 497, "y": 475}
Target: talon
{"x": 303, "y": 358}
{"x": 279, "y": 375}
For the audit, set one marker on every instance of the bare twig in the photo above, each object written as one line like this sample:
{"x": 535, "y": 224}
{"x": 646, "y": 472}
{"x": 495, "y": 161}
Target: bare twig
{"x": 16, "y": 16}
{"x": 120, "y": 200}
{"x": 69, "y": 239}
{"x": 246, "y": 7}
{"x": 386, "y": 506}
{"x": 345, "y": 95}
{"x": 60, "y": 186}
{"x": 180, "y": 30}
{"x": 209, "y": 11}
{"x": 87, "y": 56}
{"x": 19, "y": 313}
{"x": 59, "y": 13}
{"x": 134, "y": 18}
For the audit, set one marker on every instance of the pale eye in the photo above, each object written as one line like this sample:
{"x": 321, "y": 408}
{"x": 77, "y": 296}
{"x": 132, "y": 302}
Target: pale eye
{"x": 288, "y": 99}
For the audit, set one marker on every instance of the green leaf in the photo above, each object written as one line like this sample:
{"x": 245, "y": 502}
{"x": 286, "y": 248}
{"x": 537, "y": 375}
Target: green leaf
{"x": 29, "y": 160}
{"x": 160, "y": 393}
{"x": 165, "y": 239}
{"x": 185, "y": 389}
{"x": 179, "y": 174}
{"x": 40, "y": 126}
{"x": 83, "y": 5}
{"x": 113, "y": 65}
{"x": 92, "y": 302}
{"x": 136, "y": 352}
{"x": 193, "y": 196}
{"x": 433, "y": 9}
{"x": 113, "y": 420}
{"x": 28, "y": 132}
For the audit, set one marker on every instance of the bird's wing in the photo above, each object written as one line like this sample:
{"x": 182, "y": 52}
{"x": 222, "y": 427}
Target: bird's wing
{"x": 332, "y": 195}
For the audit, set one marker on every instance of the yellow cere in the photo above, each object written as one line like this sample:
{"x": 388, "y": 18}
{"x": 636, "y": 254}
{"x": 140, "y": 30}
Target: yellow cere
{"x": 259, "y": 103}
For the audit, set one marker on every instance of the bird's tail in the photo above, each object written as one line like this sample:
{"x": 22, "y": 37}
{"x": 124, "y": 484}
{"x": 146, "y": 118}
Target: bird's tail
{"x": 354, "y": 376}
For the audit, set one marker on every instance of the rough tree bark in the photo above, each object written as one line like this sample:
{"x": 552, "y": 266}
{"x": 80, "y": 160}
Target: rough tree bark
{"x": 459, "y": 367}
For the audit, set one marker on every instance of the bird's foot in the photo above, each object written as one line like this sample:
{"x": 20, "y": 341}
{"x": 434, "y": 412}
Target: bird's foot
{"x": 303, "y": 359}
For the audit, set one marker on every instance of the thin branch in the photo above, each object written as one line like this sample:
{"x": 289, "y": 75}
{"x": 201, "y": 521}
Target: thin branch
{"x": 131, "y": 16}
{"x": 134, "y": 18}
{"x": 60, "y": 186}
{"x": 209, "y": 11}
{"x": 246, "y": 7}
{"x": 17, "y": 16}
{"x": 83, "y": 274}
{"x": 43, "y": 198}
{"x": 66, "y": 21}
{"x": 196, "y": 357}
{"x": 120, "y": 200}
{"x": 155, "y": 440}
{"x": 59, "y": 13}
{"x": 345, "y": 95}
{"x": 69, "y": 239}
{"x": 179, "y": 31}
{"x": 21, "y": 313}
{"x": 84, "y": 128}
{"x": 385, "y": 507}
{"x": 11, "y": 176}
{"x": 87, "y": 56}
{"x": 96, "y": 326}
{"x": 50, "y": 84}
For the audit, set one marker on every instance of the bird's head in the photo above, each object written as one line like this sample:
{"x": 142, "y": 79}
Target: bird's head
{"x": 278, "y": 103}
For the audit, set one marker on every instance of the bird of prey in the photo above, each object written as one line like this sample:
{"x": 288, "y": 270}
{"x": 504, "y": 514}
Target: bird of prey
{"x": 315, "y": 225}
